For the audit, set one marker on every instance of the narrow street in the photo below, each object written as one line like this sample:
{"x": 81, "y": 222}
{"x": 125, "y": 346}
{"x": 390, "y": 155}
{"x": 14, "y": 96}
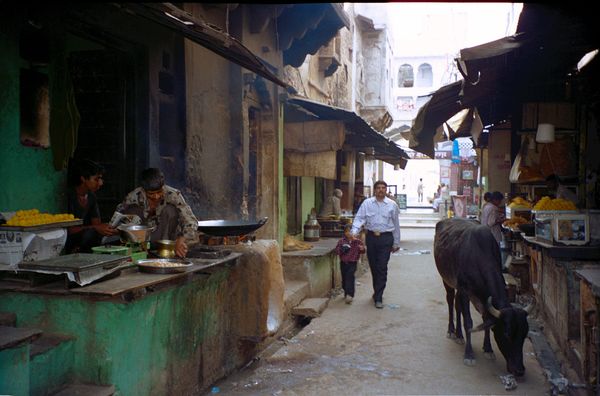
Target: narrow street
{"x": 401, "y": 349}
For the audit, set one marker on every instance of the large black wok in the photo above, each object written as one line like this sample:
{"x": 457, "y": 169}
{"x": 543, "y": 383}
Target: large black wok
{"x": 230, "y": 227}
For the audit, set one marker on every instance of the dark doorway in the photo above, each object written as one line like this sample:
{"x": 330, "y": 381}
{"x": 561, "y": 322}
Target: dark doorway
{"x": 102, "y": 80}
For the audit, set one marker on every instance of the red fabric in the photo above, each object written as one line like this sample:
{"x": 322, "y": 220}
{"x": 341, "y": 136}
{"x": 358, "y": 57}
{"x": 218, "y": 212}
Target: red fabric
{"x": 356, "y": 248}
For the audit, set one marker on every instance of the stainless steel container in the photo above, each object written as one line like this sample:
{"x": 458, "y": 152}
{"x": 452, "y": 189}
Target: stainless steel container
{"x": 312, "y": 229}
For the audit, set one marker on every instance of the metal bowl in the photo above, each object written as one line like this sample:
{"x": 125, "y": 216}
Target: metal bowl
{"x": 164, "y": 248}
{"x": 135, "y": 233}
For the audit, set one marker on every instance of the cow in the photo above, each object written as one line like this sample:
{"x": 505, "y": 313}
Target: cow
{"x": 467, "y": 258}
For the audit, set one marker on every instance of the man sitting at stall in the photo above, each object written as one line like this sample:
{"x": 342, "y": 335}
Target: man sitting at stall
{"x": 560, "y": 191}
{"x": 85, "y": 178}
{"x": 161, "y": 206}
{"x": 332, "y": 205}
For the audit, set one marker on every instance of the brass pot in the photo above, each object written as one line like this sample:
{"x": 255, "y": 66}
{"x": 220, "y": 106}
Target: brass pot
{"x": 165, "y": 248}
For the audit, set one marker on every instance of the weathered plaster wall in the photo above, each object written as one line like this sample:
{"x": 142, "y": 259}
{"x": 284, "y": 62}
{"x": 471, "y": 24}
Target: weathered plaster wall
{"x": 27, "y": 174}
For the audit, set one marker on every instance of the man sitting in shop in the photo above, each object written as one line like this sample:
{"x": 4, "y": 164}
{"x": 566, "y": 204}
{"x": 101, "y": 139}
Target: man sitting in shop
{"x": 332, "y": 205}
{"x": 161, "y": 206}
{"x": 560, "y": 191}
{"x": 85, "y": 178}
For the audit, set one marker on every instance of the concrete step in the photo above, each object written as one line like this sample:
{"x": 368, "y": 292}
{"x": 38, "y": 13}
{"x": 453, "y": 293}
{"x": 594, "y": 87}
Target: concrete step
{"x": 52, "y": 358}
{"x": 14, "y": 336}
{"x": 86, "y": 390}
{"x": 311, "y": 307}
{"x": 295, "y": 292}
{"x": 8, "y": 319}
{"x": 15, "y": 374}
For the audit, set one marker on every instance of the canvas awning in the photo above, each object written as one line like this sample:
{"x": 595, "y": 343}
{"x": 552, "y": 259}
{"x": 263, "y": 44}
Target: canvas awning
{"x": 544, "y": 51}
{"x": 204, "y": 34}
{"x": 360, "y": 134}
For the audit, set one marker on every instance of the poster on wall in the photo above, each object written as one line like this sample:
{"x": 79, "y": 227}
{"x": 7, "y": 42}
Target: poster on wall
{"x": 467, "y": 175}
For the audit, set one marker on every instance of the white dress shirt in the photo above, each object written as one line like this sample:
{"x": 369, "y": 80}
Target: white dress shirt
{"x": 378, "y": 216}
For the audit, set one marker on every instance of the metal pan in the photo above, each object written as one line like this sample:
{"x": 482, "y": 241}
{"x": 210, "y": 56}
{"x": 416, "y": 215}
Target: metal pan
{"x": 163, "y": 266}
{"x": 230, "y": 227}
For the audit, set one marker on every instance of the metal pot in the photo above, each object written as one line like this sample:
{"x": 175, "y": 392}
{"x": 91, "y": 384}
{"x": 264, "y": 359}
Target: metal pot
{"x": 165, "y": 248}
{"x": 135, "y": 233}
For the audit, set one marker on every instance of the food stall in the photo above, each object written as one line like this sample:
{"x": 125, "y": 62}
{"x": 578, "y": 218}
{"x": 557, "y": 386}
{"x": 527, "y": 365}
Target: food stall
{"x": 146, "y": 322}
{"x": 551, "y": 242}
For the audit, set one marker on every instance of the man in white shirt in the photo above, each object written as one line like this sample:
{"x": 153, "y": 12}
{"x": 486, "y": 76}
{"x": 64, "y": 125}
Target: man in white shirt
{"x": 379, "y": 216}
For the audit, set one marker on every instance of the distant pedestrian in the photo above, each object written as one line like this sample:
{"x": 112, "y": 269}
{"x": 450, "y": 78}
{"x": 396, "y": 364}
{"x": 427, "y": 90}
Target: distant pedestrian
{"x": 420, "y": 190}
{"x": 379, "y": 215}
{"x": 349, "y": 249}
{"x": 491, "y": 215}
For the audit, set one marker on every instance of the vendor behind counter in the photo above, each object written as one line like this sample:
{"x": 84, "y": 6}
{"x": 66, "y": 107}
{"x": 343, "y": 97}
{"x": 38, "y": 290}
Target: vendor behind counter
{"x": 85, "y": 178}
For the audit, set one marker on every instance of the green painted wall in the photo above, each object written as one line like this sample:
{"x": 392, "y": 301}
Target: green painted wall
{"x": 308, "y": 196}
{"x": 27, "y": 174}
{"x": 51, "y": 369}
{"x": 161, "y": 343}
{"x": 14, "y": 371}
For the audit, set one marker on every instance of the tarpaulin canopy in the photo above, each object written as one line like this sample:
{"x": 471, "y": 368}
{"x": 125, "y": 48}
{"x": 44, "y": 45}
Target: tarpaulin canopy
{"x": 360, "y": 133}
{"x": 500, "y": 73}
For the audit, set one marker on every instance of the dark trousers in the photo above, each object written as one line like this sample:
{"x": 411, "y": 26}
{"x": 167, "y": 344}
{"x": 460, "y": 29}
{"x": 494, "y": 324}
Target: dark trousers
{"x": 379, "y": 249}
{"x": 348, "y": 269}
{"x": 83, "y": 241}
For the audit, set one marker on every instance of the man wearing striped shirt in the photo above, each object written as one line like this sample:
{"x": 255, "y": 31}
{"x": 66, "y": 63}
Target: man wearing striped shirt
{"x": 379, "y": 216}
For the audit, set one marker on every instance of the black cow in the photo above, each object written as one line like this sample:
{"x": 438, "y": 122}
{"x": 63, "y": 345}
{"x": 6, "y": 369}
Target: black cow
{"x": 468, "y": 259}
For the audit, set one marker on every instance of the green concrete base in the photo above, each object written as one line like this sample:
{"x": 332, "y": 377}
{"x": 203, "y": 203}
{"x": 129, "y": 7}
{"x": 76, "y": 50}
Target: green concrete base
{"x": 167, "y": 342}
{"x": 14, "y": 371}
{"x": 52, "y": 368}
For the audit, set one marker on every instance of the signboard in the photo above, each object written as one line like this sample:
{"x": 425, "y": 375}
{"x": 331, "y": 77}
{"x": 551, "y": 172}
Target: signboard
{"x": 401, "y": 200}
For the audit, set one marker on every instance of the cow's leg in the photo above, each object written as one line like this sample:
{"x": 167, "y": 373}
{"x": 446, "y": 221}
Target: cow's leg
{"x": 487, "y": 345}
{"x": 469, "y": 357}
{"x": 459, "y": 335}
{"x": 450, "y": 301}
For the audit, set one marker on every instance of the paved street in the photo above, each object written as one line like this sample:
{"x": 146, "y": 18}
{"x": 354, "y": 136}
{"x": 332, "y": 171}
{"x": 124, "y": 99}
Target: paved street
{"x": 401, "y": 349}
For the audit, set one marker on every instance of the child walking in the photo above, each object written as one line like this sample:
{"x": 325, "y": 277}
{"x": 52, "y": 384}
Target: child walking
{"x": 349, "y": 249}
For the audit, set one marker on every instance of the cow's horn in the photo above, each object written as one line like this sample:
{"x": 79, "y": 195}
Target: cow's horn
{"x": 495, "y": 313}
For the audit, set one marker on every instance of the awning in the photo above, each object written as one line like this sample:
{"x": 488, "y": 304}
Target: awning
{"x": 304, "y": 28}
{"x": 544, "y": 51}
{"x": 204, "y": 34}
{"x": 360, "y": 134}
{"x": 444, "y": 103}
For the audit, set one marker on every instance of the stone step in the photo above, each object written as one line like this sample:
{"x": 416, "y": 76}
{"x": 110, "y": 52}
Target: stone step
{"x": 417, "y": 225}
{"x": 86, "y": 390}
{"x": 52, "y": 358}
{"x": 295, "y": 292}
{"x": 46, "y": 342}
{"x": 14, "y": 336}
{"x": 311, "y": 307}
{"x": 8, "y": 319}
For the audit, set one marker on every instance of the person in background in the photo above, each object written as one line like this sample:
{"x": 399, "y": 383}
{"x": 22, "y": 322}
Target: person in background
{"x": 349, "y": 249}
{"x": 161, "y": 206}
{"x": 379, "y": 216}
{"x": 491, "y": 215}
{"x": 85, "y": 178}
{"x": 420, "y": 190}
{"x": 332, "y": 205}
{"x": 560, "y": 191}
